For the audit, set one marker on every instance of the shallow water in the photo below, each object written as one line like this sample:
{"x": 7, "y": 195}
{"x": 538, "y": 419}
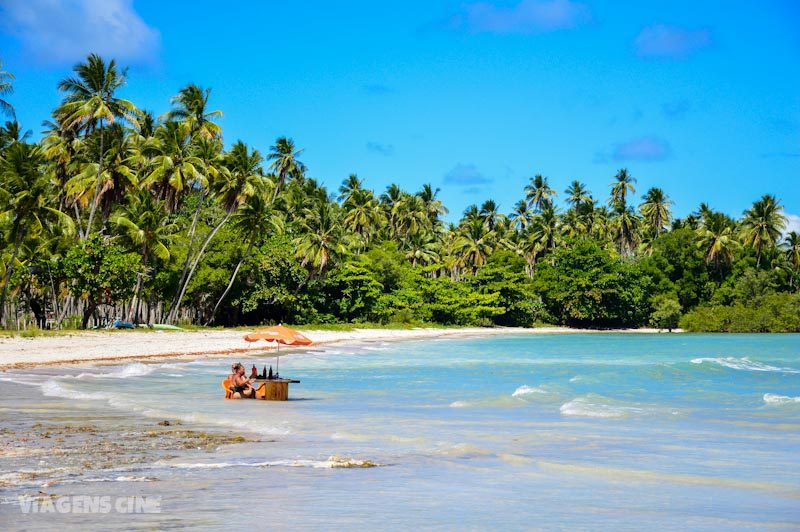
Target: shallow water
{"x": 590, "y": 431}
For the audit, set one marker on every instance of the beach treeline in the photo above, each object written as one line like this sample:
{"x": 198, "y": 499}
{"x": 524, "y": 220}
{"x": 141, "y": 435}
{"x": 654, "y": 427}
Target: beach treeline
{"x": 120, "y": 213}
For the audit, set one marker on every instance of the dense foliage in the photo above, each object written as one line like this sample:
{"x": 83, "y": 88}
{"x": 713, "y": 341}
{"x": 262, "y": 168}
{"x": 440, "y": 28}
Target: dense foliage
{"x": 117, "y": 213}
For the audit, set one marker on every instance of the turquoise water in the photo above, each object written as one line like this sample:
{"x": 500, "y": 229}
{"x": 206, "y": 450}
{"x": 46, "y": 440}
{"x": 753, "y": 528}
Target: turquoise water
{"x": 585, "y": 431}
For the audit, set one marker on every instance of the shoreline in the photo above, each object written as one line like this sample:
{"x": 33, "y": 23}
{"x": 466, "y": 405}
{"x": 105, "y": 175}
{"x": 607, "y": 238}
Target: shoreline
{"x": 112, "y": 348}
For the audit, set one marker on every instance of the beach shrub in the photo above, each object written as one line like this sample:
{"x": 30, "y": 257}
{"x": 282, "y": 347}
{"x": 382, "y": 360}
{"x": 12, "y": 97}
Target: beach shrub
{"x": 777, "y": 312}
{"x": 586, "y": 285}
{"x": 666, "y": 312}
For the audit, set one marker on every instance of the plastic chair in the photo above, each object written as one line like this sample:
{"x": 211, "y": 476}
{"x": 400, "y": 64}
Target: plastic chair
{"x": 226, "y": 385}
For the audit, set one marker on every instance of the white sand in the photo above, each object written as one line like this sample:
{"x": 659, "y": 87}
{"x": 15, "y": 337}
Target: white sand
{"x": 99, "y": 346}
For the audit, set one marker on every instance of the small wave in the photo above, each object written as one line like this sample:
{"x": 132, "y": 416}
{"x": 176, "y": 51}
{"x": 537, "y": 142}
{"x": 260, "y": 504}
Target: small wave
{"x": 137, "y": 369}
{"x": 459, "y": 404}
{"x": 596, "y": 406}
{"x": 333, "y": 462}
{"x": 51, "y": 388}
{"x": 576, "y": 378}
{"x": 743, "y": 364}
{"x": 774, "y": 399}
{"x": 527, "y": 390}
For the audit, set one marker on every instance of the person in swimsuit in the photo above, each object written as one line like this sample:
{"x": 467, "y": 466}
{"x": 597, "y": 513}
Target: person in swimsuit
{"x": 240, "y": 385}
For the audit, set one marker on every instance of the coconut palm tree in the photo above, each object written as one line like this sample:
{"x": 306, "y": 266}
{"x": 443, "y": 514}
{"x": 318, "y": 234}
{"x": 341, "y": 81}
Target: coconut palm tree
{"x": 623, "y": 183}
{"x": 491, "y": 214}
{"x": 474, "y": 243}
{"x": 791, "y": 245}
{"x": 239, "y": 179}
{"x": 255, "y": 218}
{"x": 350, "y": 186}
{"x": 433, "y": 205}
{"x": 12, "y": 132}
{"x": 362, "y": 215}
{"x": 762, "y": 225}
{"x": 538, "y": 193}
{"x": 174, "y": 164}
{"x": 190, "y": 105}
{"x": 6, "y": 88}
{"x": 577, "y": 195}
{"x": 545, "y": 228}
{"x": 89, "y": 102}
{"x": 285, "y": 163}
{"x": 656, "y": 210}
{"x": 145, "y": 224}
{"x": 521, "y": 215}
{"x": 322, "y": 238}
{"x": 30, "y": 205}
{"x": 717, "y": 240}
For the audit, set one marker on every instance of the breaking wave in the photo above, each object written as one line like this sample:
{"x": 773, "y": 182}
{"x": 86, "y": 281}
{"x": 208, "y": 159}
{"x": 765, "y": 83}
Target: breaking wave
{"x": 774, "y": 399}
{"x": 598, "y": 407}
{"x": 333, "y": 462}
{"x": 743, "y": 364}
{"x": 527, "y": 390}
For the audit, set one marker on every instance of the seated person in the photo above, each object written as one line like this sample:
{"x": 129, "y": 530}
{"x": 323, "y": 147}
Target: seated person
{"x": 240, "y": 385}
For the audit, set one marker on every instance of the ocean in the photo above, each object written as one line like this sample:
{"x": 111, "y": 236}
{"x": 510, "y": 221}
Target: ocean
{"x": 561, "y": 431}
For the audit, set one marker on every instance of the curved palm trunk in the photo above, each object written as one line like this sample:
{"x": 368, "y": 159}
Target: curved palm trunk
{"x": 173, "y": 313}
{"x": 233, "y": 279}
{"x": 188, "y": 261}
{"x": 97, "y": 187}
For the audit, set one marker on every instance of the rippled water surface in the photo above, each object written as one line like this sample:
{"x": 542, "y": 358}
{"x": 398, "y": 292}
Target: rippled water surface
{"x": 589, "y": 431}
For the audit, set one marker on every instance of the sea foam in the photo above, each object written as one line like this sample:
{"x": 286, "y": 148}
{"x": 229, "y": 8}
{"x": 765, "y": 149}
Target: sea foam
{"x": 743, "y": 364}
{"x": 596, "y": 406}
{"x": 774, "y": 399}
{"x": 527, "y": 390}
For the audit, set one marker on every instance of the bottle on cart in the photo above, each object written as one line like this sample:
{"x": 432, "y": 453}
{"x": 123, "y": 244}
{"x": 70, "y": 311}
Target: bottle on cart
{"x": 270, "y": 373}
{"x": 265, "y": 373}
{"x": 254, "y": 372}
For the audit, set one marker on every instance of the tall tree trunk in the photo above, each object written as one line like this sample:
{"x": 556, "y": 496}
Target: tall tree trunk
{"x": 173, "y": 313}
{"x": 233, "y": 279}
{"x": 9, "y": 271}
{"x": 98, "y": 185}
{"x": 87, "y": 313}
{"x": 188, "y": 261}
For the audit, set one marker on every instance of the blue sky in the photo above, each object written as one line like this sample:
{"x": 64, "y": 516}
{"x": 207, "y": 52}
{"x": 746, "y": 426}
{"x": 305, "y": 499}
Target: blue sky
{"x": 700, "y": 98}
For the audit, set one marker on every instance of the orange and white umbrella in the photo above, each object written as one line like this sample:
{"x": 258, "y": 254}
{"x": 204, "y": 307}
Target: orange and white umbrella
{"x": 280, "y": 334}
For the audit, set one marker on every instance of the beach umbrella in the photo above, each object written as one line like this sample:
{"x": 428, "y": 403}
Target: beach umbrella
{"x": 280, "y": 334}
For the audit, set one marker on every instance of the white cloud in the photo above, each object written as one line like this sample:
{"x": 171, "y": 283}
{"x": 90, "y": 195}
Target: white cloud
{"x": 64, "y": 31}
{"x": 792, "y": 224}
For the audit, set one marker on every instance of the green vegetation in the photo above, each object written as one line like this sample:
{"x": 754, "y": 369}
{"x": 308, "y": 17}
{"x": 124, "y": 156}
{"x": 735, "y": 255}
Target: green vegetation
{"x": 119, "y": 214}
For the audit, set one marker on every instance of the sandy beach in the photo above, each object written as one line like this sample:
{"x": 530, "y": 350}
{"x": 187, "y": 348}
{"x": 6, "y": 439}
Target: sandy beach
{"x": 110, "y": 347}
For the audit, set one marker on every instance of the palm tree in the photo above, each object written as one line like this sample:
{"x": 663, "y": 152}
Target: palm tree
{"x": 241, "y": 178}
{"x": 474, "y": 243}
{"x": 321, "y": 240}
{"x": 545, "y": 228}
{"x": 12, "y": 132}
{"x": 491, "y": 214}
{"x": 577, "y": 195}
{"x": 175, "y": 165}
{"x": 255, "y": 218}
{"x": 623, "y": 183}
{"x": 411, "y": 216}
{"x": 433, "y": 205}
{"x": 656, "y": 211}
{"x": 285, "y": 163}
{"x": 762, "y": 225}
{"x": 625, "y": 224}
{"x": 6, "y": 88}
{"x": 190, "y": 106}
{"x": 521, "y": 215}
{"x": 717, "y": 240}
{"x": 145, "y": 224}
{"x": 538, "y": 193}
{"x": 29, "y": 203}
{"x": 792, "y": 252}
{"x": 350, "y": 186}
{"x": 88, "y": 102}
{"x": 422, "y": 249}
{"x": 362, "y": 214}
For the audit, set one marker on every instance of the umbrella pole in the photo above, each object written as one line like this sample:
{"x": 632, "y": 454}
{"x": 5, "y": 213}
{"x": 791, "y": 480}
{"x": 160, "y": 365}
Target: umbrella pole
{"x": 278, "y": 363}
